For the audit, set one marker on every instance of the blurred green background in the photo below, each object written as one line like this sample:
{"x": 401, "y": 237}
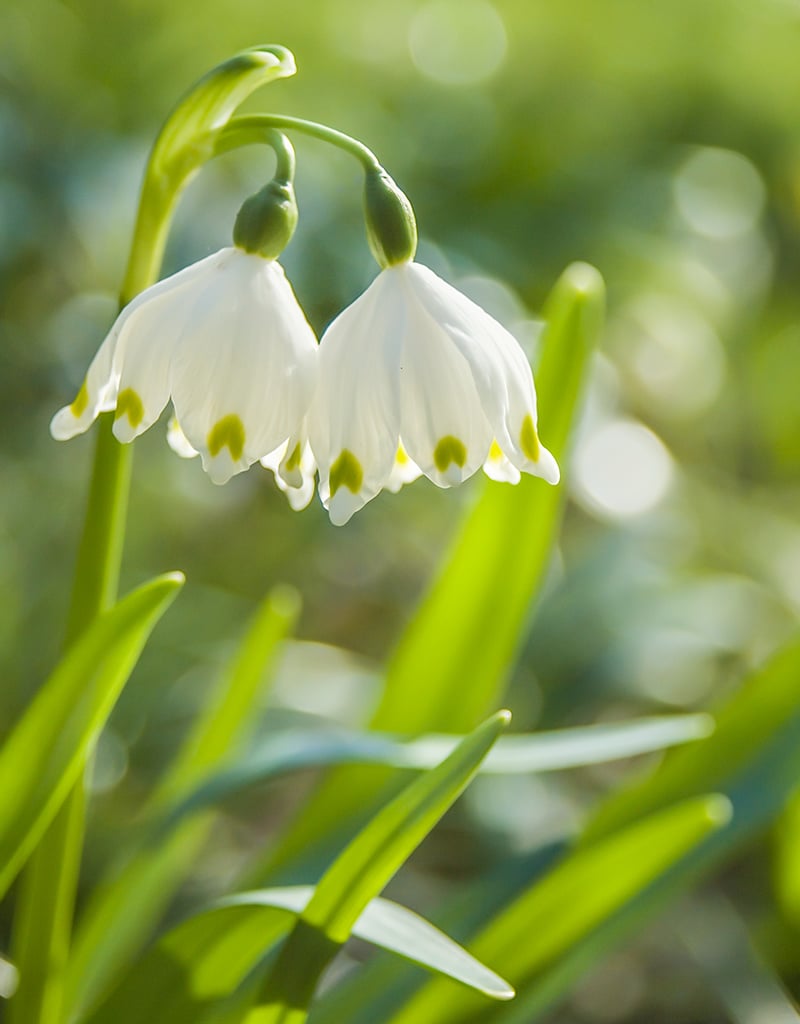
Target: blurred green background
{"x": 658, "y": 141}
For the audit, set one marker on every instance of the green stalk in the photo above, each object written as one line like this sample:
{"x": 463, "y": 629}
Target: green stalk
{"x": 252, "y": 128}
{"x": 46, "y": 902}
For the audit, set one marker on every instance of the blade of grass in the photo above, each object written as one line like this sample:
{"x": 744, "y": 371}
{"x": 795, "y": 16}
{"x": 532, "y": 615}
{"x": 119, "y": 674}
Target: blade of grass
{"x": 127, "y": 904}
{"x": 299, "y": 749}
{"x": 362, "y": 870}
{"x": 569, "y": 903}
{"x": 197, "y": 966}
{"x": 47, "y": 749}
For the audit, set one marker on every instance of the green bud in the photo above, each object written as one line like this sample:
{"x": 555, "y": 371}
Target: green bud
{"x": 391, "y": 227}
{"x": 266, "y": 221}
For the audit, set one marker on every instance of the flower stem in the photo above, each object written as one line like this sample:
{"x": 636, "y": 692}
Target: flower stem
{"x": 252, "y": 127}
{"x": 45, "y": 907}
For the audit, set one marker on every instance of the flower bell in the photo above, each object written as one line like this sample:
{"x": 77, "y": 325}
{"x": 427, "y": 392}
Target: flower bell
{"x": 225, "y": 339}
{"x": 415, "y": 378}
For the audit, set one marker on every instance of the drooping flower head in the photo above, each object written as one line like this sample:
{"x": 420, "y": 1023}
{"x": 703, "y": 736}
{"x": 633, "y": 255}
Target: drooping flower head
{"x": 415, "y": 378}
{"x": 225, "y": 339}
{"x": 414, "y": 373}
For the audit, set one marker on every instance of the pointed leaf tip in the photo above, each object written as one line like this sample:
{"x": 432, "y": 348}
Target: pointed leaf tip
{"x": 719, "y": 810}
{"x": 175, "y": 578}
{"x": 585, "y": 280}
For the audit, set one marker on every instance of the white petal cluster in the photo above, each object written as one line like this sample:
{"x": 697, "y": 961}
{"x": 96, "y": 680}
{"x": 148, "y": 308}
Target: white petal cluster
{"x": 227, "y": 341}
{"x": 415, "y": 378}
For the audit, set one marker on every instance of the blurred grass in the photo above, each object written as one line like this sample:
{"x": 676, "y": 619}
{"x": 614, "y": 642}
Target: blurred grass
{"x": 661, "y": 143}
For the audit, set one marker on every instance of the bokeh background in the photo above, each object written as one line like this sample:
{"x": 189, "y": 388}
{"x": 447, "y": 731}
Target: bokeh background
{"x": 660, "y": 142}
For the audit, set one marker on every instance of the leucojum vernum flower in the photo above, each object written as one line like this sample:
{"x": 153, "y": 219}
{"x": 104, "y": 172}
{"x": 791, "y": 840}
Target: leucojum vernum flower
{"x": 411, "y": 379}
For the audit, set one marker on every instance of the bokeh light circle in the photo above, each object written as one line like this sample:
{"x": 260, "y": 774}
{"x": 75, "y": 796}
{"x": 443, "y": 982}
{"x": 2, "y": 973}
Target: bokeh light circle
{"x": 457, "y": 42}
{"x": 622, "y": 469}
{"x": 719, "y": 193}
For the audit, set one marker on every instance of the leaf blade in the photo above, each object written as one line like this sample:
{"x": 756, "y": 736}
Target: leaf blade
{"x": 46, "y": 751}
{"x": 127, "y": 903}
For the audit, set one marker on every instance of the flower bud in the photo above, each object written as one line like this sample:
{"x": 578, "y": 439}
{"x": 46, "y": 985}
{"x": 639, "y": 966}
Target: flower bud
{"x": 266, "y": 221}
{"x": 391, "y": 227}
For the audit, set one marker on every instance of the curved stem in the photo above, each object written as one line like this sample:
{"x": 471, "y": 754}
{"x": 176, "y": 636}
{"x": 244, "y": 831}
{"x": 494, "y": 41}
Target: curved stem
{"x": 253, "y": 126}
{"x": 240, "y": 131}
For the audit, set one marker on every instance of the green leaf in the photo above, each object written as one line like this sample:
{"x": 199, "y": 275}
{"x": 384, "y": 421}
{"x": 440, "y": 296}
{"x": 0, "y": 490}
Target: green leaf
{"x": 199, "y": 964}
{"x": 363, "y": 869}
{"x": 393, "y": 927}
{"x": 46, "y": 752}
{"x": 753, "y": 759}
{"x": 299, "y": 749}
{"x": 567, "y": 904}
{"x": 453, "y": 661}
{"x": 127, "y": 904}
{"x": 401, "y": 931}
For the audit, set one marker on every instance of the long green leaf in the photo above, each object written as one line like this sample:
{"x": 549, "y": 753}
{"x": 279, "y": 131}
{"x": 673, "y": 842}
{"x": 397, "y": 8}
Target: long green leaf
{"x": 47, "y": 750}
{"x": 753, "y": 759}
{"x": 199, "y": 964}
{"x": 372, "y": 858}
{"x": 571, "y": 901}
{"x": 299, "y": 749}
{"x": 127, "y": 904}
{"x": 361, "y": 871}
{"x": 453, "y": 662}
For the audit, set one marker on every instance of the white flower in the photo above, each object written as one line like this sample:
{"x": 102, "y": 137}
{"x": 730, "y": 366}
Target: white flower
{"x": 292, "y": 463}
{"x": 416, "y": 378}
{"x": 227, "y": 340}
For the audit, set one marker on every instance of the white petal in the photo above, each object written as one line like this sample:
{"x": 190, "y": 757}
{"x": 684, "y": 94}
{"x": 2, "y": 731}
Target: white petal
{"x": 97, "y": 394}
{"x": 499, "y": 367}
{"x": 354, "y": 423}
{"x": 404, "y": 471}
{"x": 498, "y": 467}
{"x": 177, "y": 441}
{"x": 294, "y": 474}
{"x": 443, "y": 425}
{"x": 100, "y": 389}
{"x": 146, "y": 346}
{"x": 245, "y": 368}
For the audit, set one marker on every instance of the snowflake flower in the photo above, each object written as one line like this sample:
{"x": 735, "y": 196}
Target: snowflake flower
{"x": 415, "y": 378}
{"x": 227, "y": 341}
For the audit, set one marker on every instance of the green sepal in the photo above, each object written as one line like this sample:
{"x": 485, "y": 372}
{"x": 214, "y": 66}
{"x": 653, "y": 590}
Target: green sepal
{"x": 391, "y": 226}
{"x": 187, "y": 140}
